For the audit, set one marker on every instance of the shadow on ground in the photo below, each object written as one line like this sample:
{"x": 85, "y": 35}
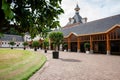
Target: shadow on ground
{"x": 70, "y": 60}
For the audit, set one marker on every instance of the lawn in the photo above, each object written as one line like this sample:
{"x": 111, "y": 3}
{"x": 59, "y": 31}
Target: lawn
{"x": 19, "y": 64}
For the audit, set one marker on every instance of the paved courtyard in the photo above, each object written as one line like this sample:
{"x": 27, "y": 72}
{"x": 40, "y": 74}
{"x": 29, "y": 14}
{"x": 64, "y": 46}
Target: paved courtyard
{"x": 79, "y": 66}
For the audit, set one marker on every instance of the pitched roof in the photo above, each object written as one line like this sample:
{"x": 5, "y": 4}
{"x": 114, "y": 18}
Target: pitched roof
{"x": 96, "y": 26}
{"x": 8, "y": 37}
{"x": 77, "y": 18}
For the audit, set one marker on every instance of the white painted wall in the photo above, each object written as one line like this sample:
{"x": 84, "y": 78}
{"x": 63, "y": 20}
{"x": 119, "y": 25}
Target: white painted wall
{"x": 6, "y": 44}
{"x": 27, "y": 38}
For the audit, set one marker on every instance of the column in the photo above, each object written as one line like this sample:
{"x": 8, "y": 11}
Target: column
{"x": 91, "y": 44}
{"x": 78, "y": 44}
{"x": 108, "y": 44}
{"x": 69, "y": 46}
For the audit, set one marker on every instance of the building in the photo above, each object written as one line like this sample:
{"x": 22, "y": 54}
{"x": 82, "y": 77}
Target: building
{"x": 103, "y": 34}
{"x": 4, "y": 41}
{"x": 27, "y": 37}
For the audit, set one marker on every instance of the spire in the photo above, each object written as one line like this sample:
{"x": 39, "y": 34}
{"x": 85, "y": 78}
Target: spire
{"x": 77, "y": 8}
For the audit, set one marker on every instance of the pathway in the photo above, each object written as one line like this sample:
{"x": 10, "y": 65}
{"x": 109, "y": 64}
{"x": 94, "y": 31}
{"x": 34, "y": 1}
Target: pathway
{"x": 79, "y": 66}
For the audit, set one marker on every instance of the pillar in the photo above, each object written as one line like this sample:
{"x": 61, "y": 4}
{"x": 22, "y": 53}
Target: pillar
{"x": 78, "y": 44}
{"x": 91, "y": 44}
{"x": 108, "y": 44}
{"x": 69, "y": 46}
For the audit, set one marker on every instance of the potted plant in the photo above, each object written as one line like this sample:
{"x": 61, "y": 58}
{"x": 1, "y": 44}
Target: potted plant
{"x": 57, "y": 39}
{"x": 87, "y": 47}
{"x": 12, "y": 43}
{"x": 65, "y": 45}
{"x": 35, "y": 44}
{"x": 25, "y": 44}
{"x": 46, "y": 44}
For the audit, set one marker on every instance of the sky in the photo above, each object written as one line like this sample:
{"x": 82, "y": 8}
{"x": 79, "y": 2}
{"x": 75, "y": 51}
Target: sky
{"x": 92, "y": 9}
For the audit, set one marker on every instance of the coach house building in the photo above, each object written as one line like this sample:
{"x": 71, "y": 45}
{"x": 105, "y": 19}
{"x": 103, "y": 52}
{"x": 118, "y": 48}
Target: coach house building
{"x": 103, "y": 35}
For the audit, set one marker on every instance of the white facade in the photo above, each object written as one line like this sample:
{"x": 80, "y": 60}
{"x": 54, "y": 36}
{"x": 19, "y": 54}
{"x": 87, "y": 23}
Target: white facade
{"x": 27, "y": 38}
{"x": 6, "y": 39}
{"x": 6, "y": 44}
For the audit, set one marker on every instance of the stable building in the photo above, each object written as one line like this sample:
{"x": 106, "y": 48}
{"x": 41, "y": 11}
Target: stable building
{"x": 103, "y": 34}
{"x": 4, "y": 41}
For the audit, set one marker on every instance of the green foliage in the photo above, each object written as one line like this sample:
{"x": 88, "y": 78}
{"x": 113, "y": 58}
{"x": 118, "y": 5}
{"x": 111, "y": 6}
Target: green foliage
{"x": 56, "y": 38}
{"x": 46, "y": 42}
{"x": 25, "y": 43}
{"x": 87, "y": 45}
{"x": 7, "y": 11}
{"x": 1, "y": 35}
{"x": 12, "y": 43}
{"x": 65, "y": 45}
{"x": 33, "y": 16}
{"x": 35, "y": 44}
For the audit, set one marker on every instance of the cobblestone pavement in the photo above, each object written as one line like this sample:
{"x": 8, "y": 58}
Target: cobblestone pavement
{"x": 79, "y": 66}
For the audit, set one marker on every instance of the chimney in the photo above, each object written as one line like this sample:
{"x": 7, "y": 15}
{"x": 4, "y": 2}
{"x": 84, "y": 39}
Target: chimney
{"x": 70, "y": 20}
{"x": 84, "y": 20}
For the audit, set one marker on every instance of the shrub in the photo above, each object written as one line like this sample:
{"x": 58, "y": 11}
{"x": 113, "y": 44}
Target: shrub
{"x": 56, "y": 38}
{"x": 35, "y": 44}
{"x": 25, "y": 44}
{"x": 12, "y": 43}
{"x": 46, "y": 43}
{"x": 87, "y": 46}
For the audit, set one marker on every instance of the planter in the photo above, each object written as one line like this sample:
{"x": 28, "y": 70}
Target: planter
{"x": 11, "y": 47}
{"x": 35, "y": 49}
{"x": 24, "y": 48}
{"x": 55, "y": 55}
{"x": 45, "y": 51}
{"x": 87, "y": 52}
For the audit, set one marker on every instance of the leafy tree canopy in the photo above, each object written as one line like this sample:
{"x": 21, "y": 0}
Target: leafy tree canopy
{"x": 33, "y": 16}
{"x": 46, "y": 42}
{"x": 25, "y": 43}
{"x": 56, "y": 38}
{"x": 12, "y": 43}
{"x": 35, "y": 44}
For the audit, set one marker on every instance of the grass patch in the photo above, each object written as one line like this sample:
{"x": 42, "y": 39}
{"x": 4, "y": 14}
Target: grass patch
{"x": 19, "y": 64}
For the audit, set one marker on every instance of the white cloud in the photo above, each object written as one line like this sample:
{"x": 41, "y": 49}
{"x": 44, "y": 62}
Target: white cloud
{"x": 92, "y": 9}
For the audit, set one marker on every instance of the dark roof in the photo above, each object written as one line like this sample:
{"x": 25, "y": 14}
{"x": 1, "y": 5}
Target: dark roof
{"x": 96, "y": 26}
{"x": 77, "y": 18}
{"x": 8, "y": 37}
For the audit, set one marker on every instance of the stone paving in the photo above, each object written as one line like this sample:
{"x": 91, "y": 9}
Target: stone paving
{"x": 79, "y": 66}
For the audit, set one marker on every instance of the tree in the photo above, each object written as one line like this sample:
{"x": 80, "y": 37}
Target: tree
{"x": 56, "y": 38}
{"x": 25, "y": 44}
{"x": 12, "y": 43}
{"x": 87, "y": 46}
{"x": 46, "y": 44}
{"x": 65, "y": 45}
{"x": 35, "y": 44}
{"x": 33, "y": 16}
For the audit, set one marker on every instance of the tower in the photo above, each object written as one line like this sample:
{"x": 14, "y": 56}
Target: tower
{"x": 77, "y": 9}
{"x": 76, "y": 19}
